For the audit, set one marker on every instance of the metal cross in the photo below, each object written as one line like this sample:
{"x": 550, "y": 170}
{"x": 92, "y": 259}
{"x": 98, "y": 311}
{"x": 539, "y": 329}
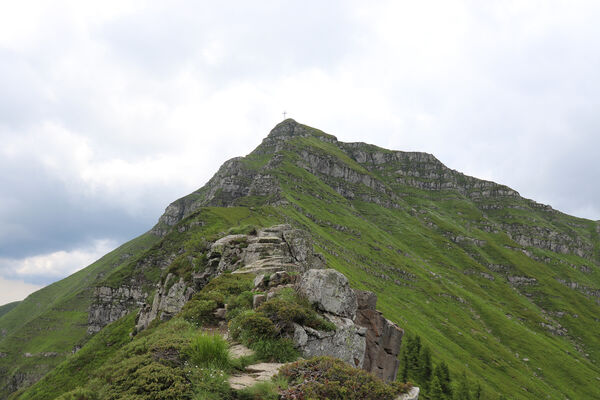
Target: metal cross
{"x": 284, "y": 114}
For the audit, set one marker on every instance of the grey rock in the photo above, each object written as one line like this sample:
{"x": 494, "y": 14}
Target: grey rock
{"x": 220, "y": 313}
{"x": 168, "y": 300}
{"x": 279, "y": 278}
{"x": 346, "y": 343}
{"x": 413, "y": 394}
{"x": 383, "y": 338}
{"x": 258, "y": 299}
{"x": 330, "y": 291}
{"x": 110, "y": 304}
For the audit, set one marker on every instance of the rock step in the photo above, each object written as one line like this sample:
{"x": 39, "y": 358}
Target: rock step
{"x": 239, "y": 350}
{"x": 254, "y": 373}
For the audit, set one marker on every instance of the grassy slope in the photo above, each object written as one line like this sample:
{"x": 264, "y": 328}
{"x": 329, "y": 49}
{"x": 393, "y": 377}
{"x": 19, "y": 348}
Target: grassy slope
{"x": 7, "y": 307}
{"x": 60, "y": 312}
{"x": 427, "y": 283}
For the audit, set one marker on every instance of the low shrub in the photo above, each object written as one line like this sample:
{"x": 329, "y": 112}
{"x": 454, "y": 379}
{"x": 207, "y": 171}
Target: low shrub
{"x": 268, "y": 390}
{"x": 250, "y": 326}
{"x": 79, "y": 394}
{"x": 239, "y": 303}
{"x": 275, "y": 350}
{"x": 199, "y": 311}
{"x": 284, "y": 311}
{"x": 228, "y": 284}
{"x": 209, "y": 351}
{"x": 330, "y": 378}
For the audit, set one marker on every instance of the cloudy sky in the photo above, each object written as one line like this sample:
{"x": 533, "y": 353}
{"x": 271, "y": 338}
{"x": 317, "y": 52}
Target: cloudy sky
{"x": 110, "y": 110}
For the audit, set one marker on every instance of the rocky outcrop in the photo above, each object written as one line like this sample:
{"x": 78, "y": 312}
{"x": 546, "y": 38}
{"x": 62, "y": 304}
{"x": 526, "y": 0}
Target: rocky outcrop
{"x": 363, "y": 337}
{"x": 383, "y": 338}
{"x": 413, "y": 394}
{"x": 110, "y": 304}
{"x": 269, "y": 251}
{"x": 169, "y": 299}
{"x": 346, "y": 343}
{"x": 330, "y": 291}
{"x": 548, "y": 239}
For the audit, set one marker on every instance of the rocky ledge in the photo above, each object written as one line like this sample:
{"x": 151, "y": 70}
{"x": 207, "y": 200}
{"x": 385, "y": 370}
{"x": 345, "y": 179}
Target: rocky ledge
{"x": 283, "y": 257}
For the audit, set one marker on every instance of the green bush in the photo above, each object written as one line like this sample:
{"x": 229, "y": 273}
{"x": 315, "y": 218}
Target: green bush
{"x": 239, "y": 303}
{"x": 263, "y": 390}
{"x": 199, "y": 311}
{"x": 250, "y": 326}
{"x": 330, "y": 378}
{"x": 275, "y": 350}
{"x": 229, "y": 284}
{"x": 284, "y": 311}
{"x": 209, "y": 351}
{"x": 79, "y": 394}
{"x": 242, "y": 230}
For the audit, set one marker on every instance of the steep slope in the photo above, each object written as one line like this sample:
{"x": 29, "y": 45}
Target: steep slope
{"x": 46, "y": 327}
{"x": 498, "y": 286}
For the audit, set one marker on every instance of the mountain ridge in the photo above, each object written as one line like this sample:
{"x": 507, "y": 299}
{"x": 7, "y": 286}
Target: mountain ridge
{"x": 479, "y": 272}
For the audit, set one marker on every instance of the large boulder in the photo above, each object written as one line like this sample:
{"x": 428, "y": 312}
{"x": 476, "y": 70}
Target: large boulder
{"x": 330, "y": 291}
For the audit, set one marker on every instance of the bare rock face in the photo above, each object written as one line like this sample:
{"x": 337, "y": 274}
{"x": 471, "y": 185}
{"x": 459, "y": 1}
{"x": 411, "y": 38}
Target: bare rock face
{"x": 347, "y": 342}
{"x": 111, "y": 304}
{"x": 413, "y": 394}
{"x": 383, "y": 338}
{"x": 169, "y": 299}
{"x": 330, "y": 291}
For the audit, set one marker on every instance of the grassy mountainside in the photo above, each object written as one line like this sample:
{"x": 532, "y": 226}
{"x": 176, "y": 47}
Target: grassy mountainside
{"x": 498, "y": 286}
{"x": 7, "y": 307}
{"x": 42, "y": 330}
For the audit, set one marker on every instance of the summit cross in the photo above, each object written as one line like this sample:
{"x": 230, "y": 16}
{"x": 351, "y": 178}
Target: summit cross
{"x": 284, "y": 114}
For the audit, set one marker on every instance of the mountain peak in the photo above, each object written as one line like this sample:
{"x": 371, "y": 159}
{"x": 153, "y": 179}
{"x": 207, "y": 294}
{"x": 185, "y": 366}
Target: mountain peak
{"x": 289, "y": 128}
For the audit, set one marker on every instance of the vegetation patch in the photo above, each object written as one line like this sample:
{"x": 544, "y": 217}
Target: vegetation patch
{"x": 285, "y": 310}
{"x": 330, "y": 378}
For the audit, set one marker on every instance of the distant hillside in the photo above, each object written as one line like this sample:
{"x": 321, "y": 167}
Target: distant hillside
{"x": 7, "y": 307}
{"x": 499, "y": 287}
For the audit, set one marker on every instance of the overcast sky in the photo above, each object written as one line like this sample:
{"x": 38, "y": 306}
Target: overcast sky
{"x": 110, "y": 110}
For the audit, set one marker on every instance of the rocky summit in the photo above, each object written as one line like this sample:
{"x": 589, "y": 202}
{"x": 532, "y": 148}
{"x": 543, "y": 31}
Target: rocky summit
{"x": 311, "y": 266}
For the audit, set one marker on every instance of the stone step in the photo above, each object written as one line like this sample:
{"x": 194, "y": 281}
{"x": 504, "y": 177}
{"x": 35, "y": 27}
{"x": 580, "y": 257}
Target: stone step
{"x": 254, "y": 373}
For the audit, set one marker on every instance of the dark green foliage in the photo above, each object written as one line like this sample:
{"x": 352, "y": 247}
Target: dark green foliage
{"x": 443, "y": 374}
{"x": 330, "y": 378}
{"x": 199, "y": 312}
{"x": 284, "y": 311}
{"x": 209, "y": 351}
{"x": 275, "y": 350}
{"x": 231, "y": 289}
{"x": 79, "y": 394}
{"x": 425, "y": 368}
{"x": 435, "y": 390}
{"x": 462, "y": 390}
{"x": 251, "y": 326}
{"x": 478, "y": 393}
{"x": 242, "y": 230}
{"x": 260, "y": 391}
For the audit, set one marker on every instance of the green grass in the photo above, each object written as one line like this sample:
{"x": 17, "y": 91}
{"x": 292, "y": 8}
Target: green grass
{"x": 209, "y": 351}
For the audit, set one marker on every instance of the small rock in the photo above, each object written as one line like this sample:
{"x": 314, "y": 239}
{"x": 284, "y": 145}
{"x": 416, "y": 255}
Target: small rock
{"x": 257, "y": 300}
{"x": 220, "y": 313}
{"x": 279, "y": 278}
{"x": 259, "y": 282}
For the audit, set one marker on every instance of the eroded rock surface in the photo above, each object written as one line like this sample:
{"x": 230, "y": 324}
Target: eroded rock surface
{"x": 330, "y": 291}
{"x": 383, "y": 338}
{"x": 113, "y": 303}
